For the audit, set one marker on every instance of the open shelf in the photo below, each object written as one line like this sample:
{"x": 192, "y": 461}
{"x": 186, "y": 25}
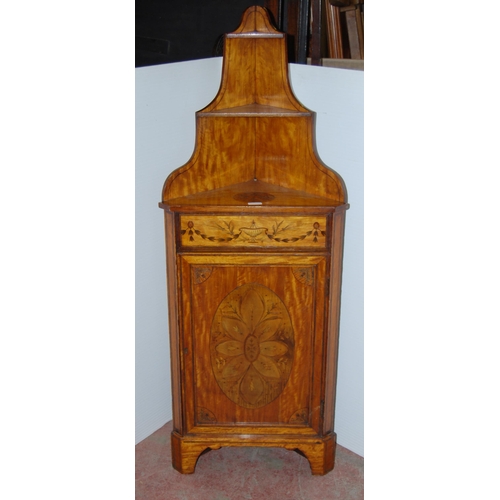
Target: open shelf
{"x": 252, "y": 193}
{"x": 255, "y": 110}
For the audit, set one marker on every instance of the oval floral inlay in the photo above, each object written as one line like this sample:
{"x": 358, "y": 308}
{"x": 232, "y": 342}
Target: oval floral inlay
{"x": 252, "y": 349}
{"x": 252, "y": 345}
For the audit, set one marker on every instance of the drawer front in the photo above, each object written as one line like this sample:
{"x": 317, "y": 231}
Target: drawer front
{"x": 252, "y": 231}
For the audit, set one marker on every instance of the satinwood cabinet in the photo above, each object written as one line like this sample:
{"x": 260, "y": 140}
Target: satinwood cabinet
{"x": 254, "y": 239}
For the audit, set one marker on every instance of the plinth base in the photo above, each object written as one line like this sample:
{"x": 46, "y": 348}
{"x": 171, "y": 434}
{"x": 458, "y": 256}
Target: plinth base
{"x": 320, "y": 452}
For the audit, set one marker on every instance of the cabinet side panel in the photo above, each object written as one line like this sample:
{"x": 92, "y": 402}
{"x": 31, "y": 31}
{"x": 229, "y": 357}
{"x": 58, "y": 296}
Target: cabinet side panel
{"x": 286, "y": 156}
{"x": 226, "y": 152}
{"x": 238, "y": 85}
{"x": 318, "y": 355}
{"x": 273, "y": 88}
{"x": 173, "y": 321}
{"x": 186, "y": 344}
{"x": 334, "y": 321}
{"x": 280, "y": 149}
{"x": 224, "y": 155}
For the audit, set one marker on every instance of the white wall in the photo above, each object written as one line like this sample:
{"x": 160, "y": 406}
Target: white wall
{"x": 337, "y": 97}
{"x": 167, "y": 97}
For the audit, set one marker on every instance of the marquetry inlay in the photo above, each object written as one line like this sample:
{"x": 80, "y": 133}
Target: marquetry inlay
{"x": 214, "y": 230}
{"x": 300, "y": 417}
{"x": 205, "y": 416}
{"x": 201, "y": 274}
{"x": 304, "y": 275}
{"x": 252, "y": 345}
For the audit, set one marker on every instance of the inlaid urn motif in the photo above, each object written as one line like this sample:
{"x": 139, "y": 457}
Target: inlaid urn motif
{"x": 252, "y": 345}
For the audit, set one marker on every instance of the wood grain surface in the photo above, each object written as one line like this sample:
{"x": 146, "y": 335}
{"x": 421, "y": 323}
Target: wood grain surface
{"x": 254, "y": 226}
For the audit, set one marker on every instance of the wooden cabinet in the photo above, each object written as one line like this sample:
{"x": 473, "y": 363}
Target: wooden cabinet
{"x": 254, "y": 236}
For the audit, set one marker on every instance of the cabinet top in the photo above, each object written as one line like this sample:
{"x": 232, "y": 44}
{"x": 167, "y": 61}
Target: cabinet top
{"x": 255, "y": 131}
{"x": 254, "y": 193}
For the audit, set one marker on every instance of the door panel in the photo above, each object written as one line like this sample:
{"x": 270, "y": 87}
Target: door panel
{"x": 252, "y": 324}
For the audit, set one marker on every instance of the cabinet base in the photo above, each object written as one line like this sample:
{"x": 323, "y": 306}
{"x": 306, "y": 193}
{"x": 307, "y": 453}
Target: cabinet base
{"x": 320, "y": 452}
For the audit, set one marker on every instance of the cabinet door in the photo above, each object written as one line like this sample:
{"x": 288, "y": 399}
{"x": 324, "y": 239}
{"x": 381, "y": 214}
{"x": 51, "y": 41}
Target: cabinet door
{"x": 252, "y": 341}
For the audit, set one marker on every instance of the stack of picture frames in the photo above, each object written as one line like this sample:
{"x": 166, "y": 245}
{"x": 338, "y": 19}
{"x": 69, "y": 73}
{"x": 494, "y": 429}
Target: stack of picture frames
{"x": 345, "y": 27}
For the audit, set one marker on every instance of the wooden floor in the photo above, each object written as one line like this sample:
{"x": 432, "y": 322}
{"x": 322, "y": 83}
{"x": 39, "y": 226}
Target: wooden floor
{"x": 243, "y": 473}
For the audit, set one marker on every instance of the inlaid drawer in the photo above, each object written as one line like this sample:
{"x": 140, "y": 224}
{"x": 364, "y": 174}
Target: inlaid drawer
{"x": 253, "y": 231}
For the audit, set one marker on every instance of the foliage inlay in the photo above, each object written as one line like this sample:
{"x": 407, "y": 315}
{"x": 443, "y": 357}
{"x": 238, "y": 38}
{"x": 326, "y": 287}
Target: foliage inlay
{"x": 252, "y": 345}
{"x": 280, "y": 232}
{"x": 304, "y": 275}
{"x": 300, "y": 417}
{"x": 206, "y": 416}
{"x": 201, "y": 274}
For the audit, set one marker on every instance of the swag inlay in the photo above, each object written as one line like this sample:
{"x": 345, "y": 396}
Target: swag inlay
{"x": 281, "y": 232}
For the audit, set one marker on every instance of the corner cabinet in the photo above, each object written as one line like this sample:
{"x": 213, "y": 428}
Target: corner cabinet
{"x": 254, "y": 238}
